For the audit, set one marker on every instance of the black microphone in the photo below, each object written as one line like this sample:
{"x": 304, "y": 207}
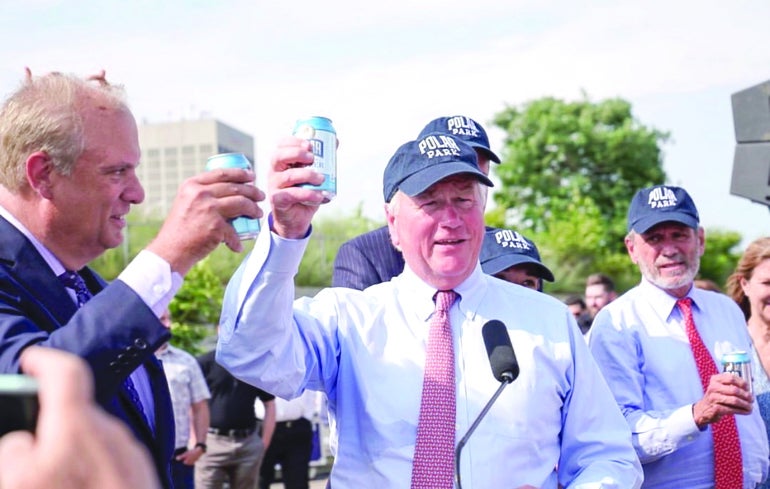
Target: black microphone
{"x": 502, "y": 359}
{"x": 505, "y": 368}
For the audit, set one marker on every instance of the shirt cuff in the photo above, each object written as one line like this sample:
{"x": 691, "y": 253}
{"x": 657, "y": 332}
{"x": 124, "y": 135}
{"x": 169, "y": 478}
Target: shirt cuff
{"x": 150, "y": 276}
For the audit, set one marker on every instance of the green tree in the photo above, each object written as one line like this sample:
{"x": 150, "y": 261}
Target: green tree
{"x": 721, "y": 256}
{"x": 317, "y": 264}
{"x": 560, "y": 157}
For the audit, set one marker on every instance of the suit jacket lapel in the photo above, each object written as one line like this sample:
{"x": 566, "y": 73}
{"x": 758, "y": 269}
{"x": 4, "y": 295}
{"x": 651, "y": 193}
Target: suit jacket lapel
{"x": 24, "y": 264}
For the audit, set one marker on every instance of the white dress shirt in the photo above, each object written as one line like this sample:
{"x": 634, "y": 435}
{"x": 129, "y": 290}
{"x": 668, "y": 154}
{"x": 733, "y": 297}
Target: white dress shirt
{"x": 639, "y": 341}
{"x": 366, "y": 351}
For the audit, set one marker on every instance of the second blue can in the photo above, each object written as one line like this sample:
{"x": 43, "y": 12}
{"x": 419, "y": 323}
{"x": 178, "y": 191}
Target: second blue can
{"x": 323, "y": 137}
{"x": 246, "y": 227}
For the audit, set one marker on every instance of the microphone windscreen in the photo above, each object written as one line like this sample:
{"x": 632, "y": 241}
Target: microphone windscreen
{"x": 502, "y": 359}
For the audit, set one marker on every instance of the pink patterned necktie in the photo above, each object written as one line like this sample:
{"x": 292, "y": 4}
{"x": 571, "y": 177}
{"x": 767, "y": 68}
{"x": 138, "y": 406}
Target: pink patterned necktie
{"x": 728, "y": 465}
{"x": 434, "y": 451}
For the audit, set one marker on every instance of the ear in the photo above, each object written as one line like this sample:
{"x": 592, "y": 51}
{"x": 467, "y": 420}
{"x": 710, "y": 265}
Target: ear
{"x": 629, "y": 241}
{"x": 701, "y": 240}
{"x": 744, "y": 286}
{"x": 391, "y": 220}
{"x": 39, "y": 169}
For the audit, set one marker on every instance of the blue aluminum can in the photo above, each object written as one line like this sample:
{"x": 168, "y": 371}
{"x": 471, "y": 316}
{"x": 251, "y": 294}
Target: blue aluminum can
{"x": 246, "y": 227}
{"x": 738, "y": 363}
{"x": 320, "y": 132}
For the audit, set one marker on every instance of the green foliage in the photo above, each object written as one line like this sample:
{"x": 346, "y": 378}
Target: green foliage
{"x": 558, "y": 154}
{"x": 317, "y": 264}
{"x": 569, "y": 172}
{"x": 721, "y": 257}
{"x": 199, "y": 301}
{"x": 189, "y": 337}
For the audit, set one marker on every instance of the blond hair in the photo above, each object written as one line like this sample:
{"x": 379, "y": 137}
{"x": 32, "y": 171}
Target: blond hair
{"x": 756, "y": 253}
{"x": 46, "y": 114}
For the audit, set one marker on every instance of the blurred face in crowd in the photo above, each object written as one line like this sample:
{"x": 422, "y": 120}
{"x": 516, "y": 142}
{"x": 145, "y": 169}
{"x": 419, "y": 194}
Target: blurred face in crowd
{"x": 668, "y": 255}
{"x": 757, "y": 290}
{"x": 522, "y": 274}
{"x": 576, "y": 310}
{"x": 440, "y": 230}
{"x": 597, "y": 296}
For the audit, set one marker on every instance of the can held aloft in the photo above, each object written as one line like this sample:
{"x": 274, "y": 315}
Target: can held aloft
{"x": 246, "y": 227}
{"x": 323, "y": 138}
{"x": 738, "y": 363}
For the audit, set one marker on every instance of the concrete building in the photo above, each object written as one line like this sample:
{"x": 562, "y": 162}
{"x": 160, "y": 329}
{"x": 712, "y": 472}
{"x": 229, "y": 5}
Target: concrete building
{"x": 175, "y": 151}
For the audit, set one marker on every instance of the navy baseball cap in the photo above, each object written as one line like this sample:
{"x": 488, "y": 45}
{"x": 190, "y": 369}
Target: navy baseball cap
{"x": 418, "y": 164}
{"x": 464, "y": 128}
{"x": 661, "y": 203}
{"x": 504, "y": 248}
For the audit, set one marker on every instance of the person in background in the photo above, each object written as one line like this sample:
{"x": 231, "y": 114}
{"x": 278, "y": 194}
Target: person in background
{"x": 749, "y": 287}
{"x": 600, "y": 291}
{"x": 403, "y": 363}
{"x": 660, "y": 345}
{"x": 707, "y": 284}
{"x": 292, "y": 441}
{"x": 68, "y": 157}
{"x": 371, "y": 258}
{"x": 76, "y": 444}
{"x": 236, "y": 444}
{"x": 577, "y": 307}
{"x": 509, "y": 256}
{"x": 189, "y": 398}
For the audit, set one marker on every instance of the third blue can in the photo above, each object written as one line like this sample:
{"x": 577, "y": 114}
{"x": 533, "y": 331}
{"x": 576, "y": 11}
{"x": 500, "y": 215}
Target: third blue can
{"x": 246, "y": 227}
{"x": 738, "y": 363}
{"x": 323, "y": 138}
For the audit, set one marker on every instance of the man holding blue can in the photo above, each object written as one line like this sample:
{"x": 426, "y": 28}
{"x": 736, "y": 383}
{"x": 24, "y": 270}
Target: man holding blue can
{"x": 405, "y": 365}
{"x": 68, "y": 158}
{"x": 660, "y": 347}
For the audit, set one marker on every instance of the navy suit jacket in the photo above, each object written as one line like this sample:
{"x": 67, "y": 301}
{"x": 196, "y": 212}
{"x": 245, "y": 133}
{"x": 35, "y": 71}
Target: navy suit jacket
{"x": 366, "y": 260}
{"x": 114, "y": 333}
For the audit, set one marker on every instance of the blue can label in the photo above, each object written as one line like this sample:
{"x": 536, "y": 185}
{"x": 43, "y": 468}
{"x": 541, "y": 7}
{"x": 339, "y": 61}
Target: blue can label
{"x": 246, "y": 227}
{"x": 323, "y": 139}
{"x": 738, "y": 363}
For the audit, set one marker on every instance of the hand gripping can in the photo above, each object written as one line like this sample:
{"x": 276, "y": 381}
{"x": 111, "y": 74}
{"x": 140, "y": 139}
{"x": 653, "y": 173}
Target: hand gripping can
{"x": 246, "y": 227}
{"x": 321, "y": 134}
{"x": 738, "y": 363}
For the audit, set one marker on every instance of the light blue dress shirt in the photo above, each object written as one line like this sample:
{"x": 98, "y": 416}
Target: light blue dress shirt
{"x": 640, "y": 344}
{"x": 366, "y": 351}
{"x": 761, "y": 386}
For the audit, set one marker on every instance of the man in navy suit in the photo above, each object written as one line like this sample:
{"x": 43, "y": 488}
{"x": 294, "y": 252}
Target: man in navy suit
{"x": 68, "y": 156}
{"x": 371, "y": 258}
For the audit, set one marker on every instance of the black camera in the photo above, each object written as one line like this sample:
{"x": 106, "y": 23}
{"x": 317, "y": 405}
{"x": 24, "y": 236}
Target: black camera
{"x": 18, "y": 403}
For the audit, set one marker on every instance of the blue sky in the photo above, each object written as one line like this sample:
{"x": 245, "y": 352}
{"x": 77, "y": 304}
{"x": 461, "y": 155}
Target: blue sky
{"x": 381, "y": 70}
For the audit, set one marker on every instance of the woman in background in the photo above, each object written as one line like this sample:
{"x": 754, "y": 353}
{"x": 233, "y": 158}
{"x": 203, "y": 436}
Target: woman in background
{"x": 749, "y": 286}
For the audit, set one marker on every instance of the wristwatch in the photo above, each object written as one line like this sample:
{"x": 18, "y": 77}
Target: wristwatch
{"x": 202, "y": 446}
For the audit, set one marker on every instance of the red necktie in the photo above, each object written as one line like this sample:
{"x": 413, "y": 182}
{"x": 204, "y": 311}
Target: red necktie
{"x": 728, "y": 464}
{"x": 433, "y": 463}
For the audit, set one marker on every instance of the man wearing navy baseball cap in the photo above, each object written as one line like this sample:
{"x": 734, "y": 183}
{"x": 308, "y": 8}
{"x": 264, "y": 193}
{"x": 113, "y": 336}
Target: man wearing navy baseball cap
{"x": 371, "y": 258}
{"x": 419, "y": 164}
{"x": 420, "y": 336}
{"x": 469, "y": 131}
{"x": 660, "y": 346}
{"x": 510, "y": 256}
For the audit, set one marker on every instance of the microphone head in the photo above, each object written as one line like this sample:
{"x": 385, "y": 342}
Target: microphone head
{"x": 502, "y": 359}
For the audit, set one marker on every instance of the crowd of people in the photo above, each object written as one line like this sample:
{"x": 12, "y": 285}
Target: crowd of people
{"x": 603, "y": 390}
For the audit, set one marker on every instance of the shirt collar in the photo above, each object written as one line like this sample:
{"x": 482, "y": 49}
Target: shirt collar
{"x": 420, "y": 294}
{"x": 661, "y": 301}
